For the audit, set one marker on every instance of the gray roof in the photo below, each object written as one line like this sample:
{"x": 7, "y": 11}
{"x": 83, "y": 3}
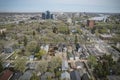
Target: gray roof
{"x": 75, "y": 75}
{"x": 85, "y": 77}
{"x": 8, "y": 50}
{"x": 16, "y": 75}
{"x": 44, "y": 77}
{"x": 65, "y": 65}
{"x": 113, "y": 77}
{"x": 26, "y": 76}
{"x": 65, "y": 75}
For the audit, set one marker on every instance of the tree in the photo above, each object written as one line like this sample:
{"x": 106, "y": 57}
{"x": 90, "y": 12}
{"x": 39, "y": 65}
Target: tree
{"x": 19, "y": 52}
{"x": 42, "y": 66}
{"x": 93, "y": 30}
{"x": 99, "y": 71}
{"x": 76, "y": 39}
{"x": 58, "y": 73}
{"x": 68, "y": 30}
{"x": 2, "y": 42}
{"x": 34, "y": 33}
{"x": 109, "y": 59}
{"x": 49, "y": 78}
{"x": 96, "y": 33}
{"x": 118, "y": 60}
{"x": 20, "y": 64}
{"x": 38, "y": 29}
{"x": 3, "y": 34}
{"x": 92, "y": 61}
{"x": 55, "y": 63}
{"x": 31, "y": 46}
{"x": 55, "y": 30}
{"x": 104, "y": 65}
{"x": 1, "y": 67}
{"x": 34, "y": 77}
{"x": 103, "y": 30}
{"x": 41, "y": 53}
{"x": 16, "y": 45}
{"x": 25, "y": 40}
{"x": 63, "y": 29}
{"x": 37, "y": 49}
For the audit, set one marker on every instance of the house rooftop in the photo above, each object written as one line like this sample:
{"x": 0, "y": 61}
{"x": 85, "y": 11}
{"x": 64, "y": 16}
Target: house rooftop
{"x": 113, "y": 77}
{"x": 65, "y": 75}
{"x": 6, "y": 75}
{"x": 26, "y": 76}
{"x": 65, "y": 65}
{"x": 75, "y": 75}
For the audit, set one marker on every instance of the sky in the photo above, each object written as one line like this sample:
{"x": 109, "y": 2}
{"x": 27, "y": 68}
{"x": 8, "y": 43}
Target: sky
{"x": 112, "y": 6}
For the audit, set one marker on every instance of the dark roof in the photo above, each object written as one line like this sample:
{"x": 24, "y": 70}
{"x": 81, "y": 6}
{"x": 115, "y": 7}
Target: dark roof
{"x": 85, "y": 77}
{"x": 75, "y": 75}
{"x": 16, "y": 75}
{"x": 8, "y": 50}
{"x": 6, "y": 75}
{"x": 77, "y": 45}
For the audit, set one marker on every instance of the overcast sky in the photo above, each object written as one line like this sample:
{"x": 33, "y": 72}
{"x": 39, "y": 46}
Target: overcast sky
{"x": 60, "y": 5}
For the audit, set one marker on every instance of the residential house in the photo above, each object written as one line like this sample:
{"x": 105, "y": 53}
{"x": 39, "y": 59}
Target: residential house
{"x": 65, "y": 65}
{"x": 46, "y": 75}
{"x": 62, "y": 47}
{"x": 65, "y": 76}
{"x": 6, "y": 75}
{"x": 31, "y": 58}
{"x": 85, "y": 77}
{"x": 8, "y": 50}
{"x": 45, "y": 47}
{"x": 75, "y": 75}
{"x": 113, "y": 77}
{"x": 16, "y": 76}
{"x": 26, "y": 76}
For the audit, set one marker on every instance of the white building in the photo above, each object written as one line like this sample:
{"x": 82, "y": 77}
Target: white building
{"x": 46, "y": 47}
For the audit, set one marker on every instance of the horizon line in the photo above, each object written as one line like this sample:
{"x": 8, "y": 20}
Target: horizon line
{"x": 55, "y": 11}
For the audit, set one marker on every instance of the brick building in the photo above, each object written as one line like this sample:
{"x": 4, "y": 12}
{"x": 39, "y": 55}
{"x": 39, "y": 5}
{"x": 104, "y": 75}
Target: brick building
{"x": 90, "y": 23}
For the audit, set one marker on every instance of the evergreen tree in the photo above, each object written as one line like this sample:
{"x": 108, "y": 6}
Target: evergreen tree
{"x": 76, "y": 39}
{"x": 1, "y": 67}
{"x": 25, "y": 40}
{"x": 34, "y": 33}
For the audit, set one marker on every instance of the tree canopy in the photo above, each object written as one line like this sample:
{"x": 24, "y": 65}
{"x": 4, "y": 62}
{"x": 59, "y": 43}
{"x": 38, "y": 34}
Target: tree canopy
{"x": 42, "y": 66}
{"x": 20, "y": 64}
{"x": 40, "y": 53}
{"x": 34, "y": 77}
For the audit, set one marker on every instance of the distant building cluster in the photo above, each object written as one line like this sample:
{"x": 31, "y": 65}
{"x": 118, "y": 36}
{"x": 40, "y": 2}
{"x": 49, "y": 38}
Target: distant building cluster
{"x": 47, "y": 15}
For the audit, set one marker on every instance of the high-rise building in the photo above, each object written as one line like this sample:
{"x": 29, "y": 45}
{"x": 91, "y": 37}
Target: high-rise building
{"x": 43, "y": 16}
{"x": 47, "y": 15}
{"x": 52, "y": 16}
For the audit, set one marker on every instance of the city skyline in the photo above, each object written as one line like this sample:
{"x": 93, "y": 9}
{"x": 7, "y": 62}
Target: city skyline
{"x": 108, "y": 6}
